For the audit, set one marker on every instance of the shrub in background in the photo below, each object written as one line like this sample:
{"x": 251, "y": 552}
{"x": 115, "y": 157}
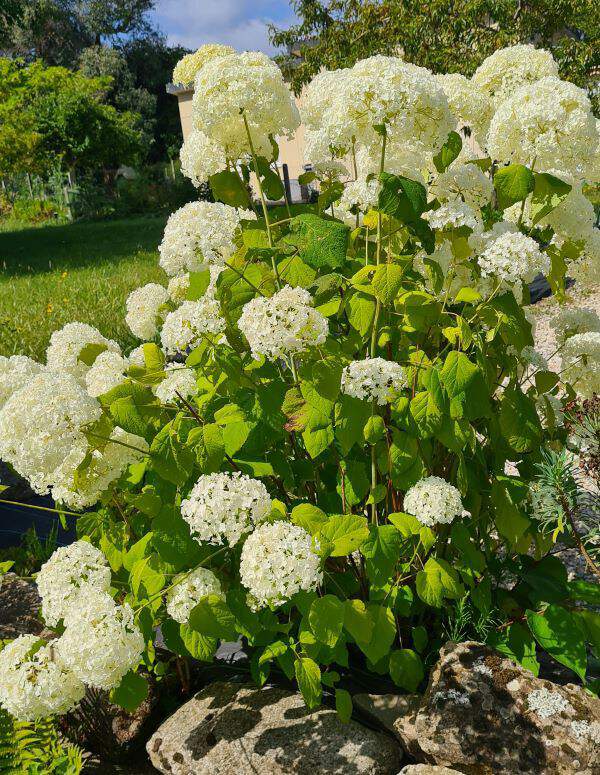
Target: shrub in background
{"x": 329, "y": 439}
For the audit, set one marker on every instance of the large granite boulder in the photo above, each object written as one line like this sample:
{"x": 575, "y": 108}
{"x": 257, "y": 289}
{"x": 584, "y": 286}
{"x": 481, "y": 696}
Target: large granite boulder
{"x": 235, "y": 729}
{"x": 482, "y": 713}
{"x": 427, "y": 769}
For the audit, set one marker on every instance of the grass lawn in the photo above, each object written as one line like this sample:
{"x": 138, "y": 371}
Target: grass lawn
{"x": 51, "y": 275}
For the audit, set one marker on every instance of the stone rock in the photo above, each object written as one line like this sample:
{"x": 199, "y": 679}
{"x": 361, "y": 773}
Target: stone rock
{"x": 482, "y": 714}
{"x": 385, "y": 709}
{"x": 235, "y": 729}
{"x": 19, "y": 606}
{"x": 426, "y": 769}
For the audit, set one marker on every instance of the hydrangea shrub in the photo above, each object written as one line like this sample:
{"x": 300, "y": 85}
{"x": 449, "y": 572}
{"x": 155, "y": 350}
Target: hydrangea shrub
{"x": 327, "y": 441}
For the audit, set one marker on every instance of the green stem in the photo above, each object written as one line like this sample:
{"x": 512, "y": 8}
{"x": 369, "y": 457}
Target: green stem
{"x": 115, "y": 441}
{"x": 263, "y": 201}
{"x": 40, "y": 508}
{"x": 244, "y": 278}
{"x": 378, "y": 253}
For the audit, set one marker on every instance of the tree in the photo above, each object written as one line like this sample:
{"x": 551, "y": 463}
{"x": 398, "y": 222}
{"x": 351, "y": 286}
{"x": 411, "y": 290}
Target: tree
{"x": 60, "y": 118}
{"x": 443, "y": 35}
{"x": 57, "y": 31}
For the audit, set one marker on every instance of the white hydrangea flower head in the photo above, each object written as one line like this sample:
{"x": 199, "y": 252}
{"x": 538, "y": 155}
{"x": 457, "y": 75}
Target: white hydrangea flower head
{"x": 533, "y": 359}
{"x": 453, "y": 215}
{"x": 574, "y": 218}
{"x": 283, "y": 324}
{"x": 40, "y": 429}
{"x": 222, "y": 507}
{"x": 325, "y": 160}
{"x": 469, "y": 104}
{"x": 585, "y": 270}
{"x": 67, "y": 343}
{"x": 278, "y": 560}
{"x": 401, "y": 158}
{"x": 507, "y": 69}
{"x": 107, "y": 371}
{"x": 513, "y": 258}
{"x": 250, "y": 84}
{"x": 574, "y": 320}
{"x": 545, "y": 703}
{"x": 185, "y": 70}
{"x": 71, "y": 572}
{"x": 548, "y": 123}
{"x": 104, "y": 468}
{"x": 324, "y": 113}
{"x": 188, "y": 593}
{"x": 184, "y": 327}
{"x": 581, "y": 363}
{"x": 361, "y": 195}
{"x": 201, "y": 157}
{"x": 465, "y": 182}
{"x": 101, "y": 642}
{"x": 373, "y": 379}
{"x": 201, "y": 234}
{"x": 16, "y": 372}
{"x": 143, "y": 310}
{"x": 178, "y": 287}
{"x": 34, "y": 682}
{"x": 433, "y": 501}
{"x": 178, "y": 380}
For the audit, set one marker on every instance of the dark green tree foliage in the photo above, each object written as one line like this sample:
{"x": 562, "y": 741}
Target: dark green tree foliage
{"x": 443, "y": 35}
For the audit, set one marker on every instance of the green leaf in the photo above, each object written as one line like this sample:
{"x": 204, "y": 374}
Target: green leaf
{"x": 559, "y": 633}
{"x": 199, "y": 282}
{"x": 326, "y": 619}
{"x": 131, "y": 692}
{"x": 343, "y": 705}
{"x": 462, "y": 540}
{"x": 171, "y": 459}
{"x": 420, "y": 638}
{"x": 510, "y": 520}
{"x": 448, "y": 152}
{"x": 127, "y": 415}
{"x": 329, "y": 194}
{"x": 438, "y": 580}
{"x": 361, "y": 312}
{"x": 154, "y": 358}
{"x": 293, "y": 271}
{"x": 90, "y": 352}
{"x": 406, "y": 669}
{"x": 227, "y": 187}
{"x": 356, "y": 482}
{"x": 516, "y": 642}
{"x": 407, "y": 524}
{"x": 384, "y": 633}
{"x": 308, "y": 676}
{"x": 374, "y": 429}
{"x": 387, "y": 280}
{"x": 548, "y": 192}
{"x": 467, "y": 296}
{"x": 321, "y": 242}
{"x": 197, "y": 645}
{"x": 402, "y": 197}
{"x": 316, "y": 441}
{"x": 271, "y": 182}
{"x": 382, "y": 552}
{"x": 519, "y": 421}
{"x": 146, "y": 578}
{"x": 358, "y": 621}
{"x": 213, "y": 619}
{"x": 465, "y": 387}
{"x": 351, "y": 415}
{"x": 345, "y": 533}
{"x": 310, "y": 517}
{"x": 513, "y": 184}
{"x": 406, "y": 466}
{"x": 585, "y": 590}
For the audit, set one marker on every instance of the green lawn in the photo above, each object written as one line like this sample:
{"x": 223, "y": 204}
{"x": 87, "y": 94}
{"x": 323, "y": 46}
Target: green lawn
{"x": 51, "y": 275}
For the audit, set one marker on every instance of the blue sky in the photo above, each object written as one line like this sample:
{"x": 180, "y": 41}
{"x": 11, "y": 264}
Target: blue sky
{"x": 240, "y": 23}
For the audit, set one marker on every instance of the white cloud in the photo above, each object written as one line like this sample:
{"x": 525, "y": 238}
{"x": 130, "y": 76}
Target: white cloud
{"x": 242, "y": 24}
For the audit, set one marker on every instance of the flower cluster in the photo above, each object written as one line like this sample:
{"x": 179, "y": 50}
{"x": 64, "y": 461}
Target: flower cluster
{"x": 373, "y": 379}
{"x": 15, "y": 373}
{"x": 236, "y": 90}
{"x": 463, "y": 181}
{"x": 571, "y": 321}
{"x": 107, "y": 371}
{"x": 200, "y": 234}
{"x": 104, "y": 466}
{"x": 185, "y": 327}
{"x": 201, "y": 157}
{"x": 71, "y": 572}
{"x": 188, "y": 592}
{"x": 143, "y": 310}
{"x": 433, "y": 501}
{"x": 34, "y": 682}
{"x": 581, "y": 362}
{"x": 66, "y": 346}
{"x": 278, "y": 560}
{"x": 179, "y": 382}
{"x": 513, "y": 257}
{"x": 101, "y": 642}
{"x": 453, "y": 215}
{"x": 223, "y": 507}
{"x": 185, "y": 70}
{"x": 282, "y": 325}
{"x": 40, "y": 429}
{"x": 469, "y": 104}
